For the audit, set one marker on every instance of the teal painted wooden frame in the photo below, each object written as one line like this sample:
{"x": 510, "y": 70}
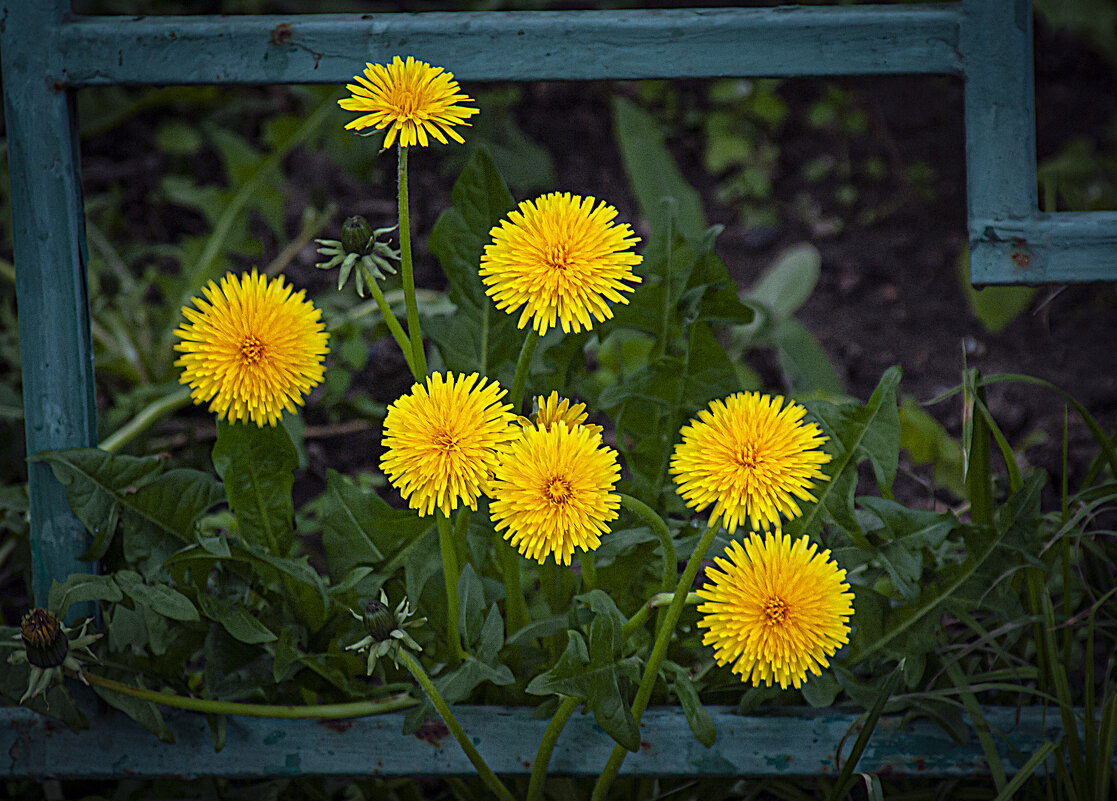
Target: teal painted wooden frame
{"x": 47, "y": 53}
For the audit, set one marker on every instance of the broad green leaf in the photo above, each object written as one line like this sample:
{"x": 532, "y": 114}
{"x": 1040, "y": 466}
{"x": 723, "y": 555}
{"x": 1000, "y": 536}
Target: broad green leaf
{"x": 905, "y": 534}
{"x": 81, "y": 587}
{"x": 286, "y": 654}
{"x": 820, "y": 691}
{"x": 856, "y": 433}
{"x": 492, "y": 637}
{"x": 927, "y": 442}
{"x": 789, "y": 281}
{"x": 146, "y": 713}
{"x": 701, "y": 725}
{"x": 256, "y": 465}
{"x": 804, "y": 360}
{"x": 359, "y": 527}
{"x": 235, "y": 620}
{"x": 303, "y": 585}
{"x": 471, "y": 604}
{"x": 104, "y": 488}
{"x": 652, "y": 172}
{"x": 160, "y": 598}
{"x": 994, "y": 306}
{"x": 457, "y": 685}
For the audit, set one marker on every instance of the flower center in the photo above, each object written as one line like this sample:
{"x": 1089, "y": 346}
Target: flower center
{"x": 776, "y": 611}
{"x": 406, "y": 104}
{"x": 747, "y": 456}
{"x": 558, "y": 256}
{"x": 251, "y": 350}
{"x": 558, "y": 491}
{"x": 447, "y": 442}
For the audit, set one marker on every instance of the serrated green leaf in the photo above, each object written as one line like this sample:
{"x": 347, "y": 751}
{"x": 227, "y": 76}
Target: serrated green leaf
{"x": 820, "y": 691}
{"x": 256, "y": 464}
{"x": 160, "y": 598}
{"x": 81, "y": 587}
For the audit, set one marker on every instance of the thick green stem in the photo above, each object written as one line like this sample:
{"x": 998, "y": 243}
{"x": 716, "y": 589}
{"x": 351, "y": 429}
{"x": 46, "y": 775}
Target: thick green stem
{"x": 389, "y": 316}
{"x": 148, "y": 416}
{"x": 208, "y": 706}
{"x": 486, "y": 773}
{"x": 452, "y": 573}
{"x": 659, "y": 650}
{"x": 547, "y": 747}
{"x": 522, "y": 364}
{"x": 515, "y": 605}
{"x": 656, "y": 524}
{"x": 407, "y": 271}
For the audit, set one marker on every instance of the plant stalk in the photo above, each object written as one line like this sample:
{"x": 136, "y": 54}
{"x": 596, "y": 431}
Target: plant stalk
{"x": 547, "y": 747}
{"x": 486, "y": 773}
{"x": 352, "y": 709}
{"x": 659, "y": 528}
{"x": 407, "y": 270}
{"x": 147, "y": 417}
{"x": 659, "y": 650}
{"x": 522, "y": 364}
{"x": 392, "y": 322}
{"x": 452, "y": 573}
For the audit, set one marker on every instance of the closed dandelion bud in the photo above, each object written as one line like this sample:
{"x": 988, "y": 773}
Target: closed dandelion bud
{"x": 356, "y": 235}
{"x": 379, "y": 621}
{"x": 44, "y": 640}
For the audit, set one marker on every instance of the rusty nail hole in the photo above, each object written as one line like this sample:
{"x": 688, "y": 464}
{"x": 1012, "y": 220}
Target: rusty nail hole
{"x": 281, "y": 34}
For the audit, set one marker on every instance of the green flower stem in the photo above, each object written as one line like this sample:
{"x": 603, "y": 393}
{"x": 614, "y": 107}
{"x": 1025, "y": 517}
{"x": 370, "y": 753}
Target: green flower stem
{"x": 589, "y": 570}
{"x": 659, "y": 650}
{"x": 353, "y": 709}
{"x": 486, "y": 773}
{"x": 515, "y": 605}
{"x": 408, "y": 272}
{"x": 656, "y": 524}
{"x": 522, "y": 364}
{"x": 547, "y": 747}
{"x": 452, "y": 573}
{"x": 390, "y": 318}
{"x": 148, "y": 416}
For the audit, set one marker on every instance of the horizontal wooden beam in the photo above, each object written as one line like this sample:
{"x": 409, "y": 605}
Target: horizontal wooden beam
{"x": 797, "y": 742}
{"x": 521, "y": 46}
{"x": 1067, "y": 247}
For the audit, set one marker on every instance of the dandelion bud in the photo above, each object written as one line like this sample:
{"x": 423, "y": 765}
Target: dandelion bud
{"x": 356, "y": 235}
{"x": 44, "y": 640}
{"x": 379, "y": 621}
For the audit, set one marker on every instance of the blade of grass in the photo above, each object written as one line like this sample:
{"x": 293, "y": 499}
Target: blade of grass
{"x": 1038, "y": 758}
{"x": 980, "y": 725}
{"x": 1058, "y": 675}
{"x": 846, "y": 780}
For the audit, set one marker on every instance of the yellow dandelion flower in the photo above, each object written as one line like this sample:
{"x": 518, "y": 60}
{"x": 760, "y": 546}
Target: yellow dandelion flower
{"x": 552, "y": 491}
{"x": 252, "y": 348}
{"x": 553, "y": 408}
{"x": 750, "y": 458}
{"x": 443, "y": 441}
{"x": 412, "y": 97}
{"x": 561, "y": 259}
{"x": 775, "y": 609}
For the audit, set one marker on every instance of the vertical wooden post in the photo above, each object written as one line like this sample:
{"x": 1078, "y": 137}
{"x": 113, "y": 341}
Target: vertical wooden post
{"x": 996, "y": 44}
{"x": 48, "y": 234}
